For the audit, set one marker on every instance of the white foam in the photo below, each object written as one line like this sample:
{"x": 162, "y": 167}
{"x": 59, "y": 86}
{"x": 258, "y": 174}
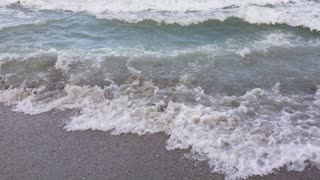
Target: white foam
{"x": 10, "y": 18}
{"x": 65, "y": 59}
{"x": 240, "y": 136}
{"x": 294, "y": 13}
{"x": 276, "y": 39}
{"x": 100, "y": 6}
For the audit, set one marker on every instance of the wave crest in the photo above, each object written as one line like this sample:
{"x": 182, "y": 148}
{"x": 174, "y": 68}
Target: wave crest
{"x": 293, "y": 13}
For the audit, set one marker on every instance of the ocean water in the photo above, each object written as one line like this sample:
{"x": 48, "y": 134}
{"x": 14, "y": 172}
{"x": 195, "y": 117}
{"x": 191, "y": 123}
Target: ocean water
{"x": 235, "y": 82}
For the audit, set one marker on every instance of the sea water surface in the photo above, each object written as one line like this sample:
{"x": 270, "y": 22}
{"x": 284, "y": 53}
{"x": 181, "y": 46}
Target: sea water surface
{"x": 235, "y": 82}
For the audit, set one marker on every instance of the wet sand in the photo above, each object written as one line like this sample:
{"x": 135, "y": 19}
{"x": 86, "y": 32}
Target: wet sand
{"x": 37, "y": 147}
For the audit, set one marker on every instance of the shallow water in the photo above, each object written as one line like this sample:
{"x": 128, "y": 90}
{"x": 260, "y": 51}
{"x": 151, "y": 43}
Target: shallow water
{"x": 236, "y": 83}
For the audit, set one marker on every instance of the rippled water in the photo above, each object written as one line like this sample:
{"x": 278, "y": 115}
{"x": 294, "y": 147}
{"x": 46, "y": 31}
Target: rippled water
{"x": 236, "y": 82}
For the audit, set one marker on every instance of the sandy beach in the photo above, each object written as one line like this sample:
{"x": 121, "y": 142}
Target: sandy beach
{"x": 37, "y": 147}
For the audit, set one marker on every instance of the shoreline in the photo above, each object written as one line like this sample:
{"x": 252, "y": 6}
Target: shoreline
{"x": 37, "y": 147}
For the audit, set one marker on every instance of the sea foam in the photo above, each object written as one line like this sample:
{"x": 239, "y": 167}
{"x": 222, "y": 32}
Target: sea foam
{"x": 215, "y": 98}
{"x": 293, "y": 13}
{"x": 239, "y": 135}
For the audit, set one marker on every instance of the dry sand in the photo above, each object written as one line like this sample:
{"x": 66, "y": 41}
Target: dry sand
{"x": 37, "y": 147}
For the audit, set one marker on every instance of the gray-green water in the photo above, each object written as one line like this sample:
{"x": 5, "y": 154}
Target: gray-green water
{"x": 236, "y": 83}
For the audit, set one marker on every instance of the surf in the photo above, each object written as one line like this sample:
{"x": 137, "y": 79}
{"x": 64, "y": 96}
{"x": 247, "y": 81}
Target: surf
{"x": 293, "y": 13}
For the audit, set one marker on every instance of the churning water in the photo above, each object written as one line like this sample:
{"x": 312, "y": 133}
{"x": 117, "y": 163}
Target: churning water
{"x": 236, "y": 82}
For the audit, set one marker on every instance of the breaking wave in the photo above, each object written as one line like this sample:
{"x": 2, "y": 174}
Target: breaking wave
{"x": 243, "y": 97}
{"x": 239, "y": 135}
{"x": 293, "y": 13}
